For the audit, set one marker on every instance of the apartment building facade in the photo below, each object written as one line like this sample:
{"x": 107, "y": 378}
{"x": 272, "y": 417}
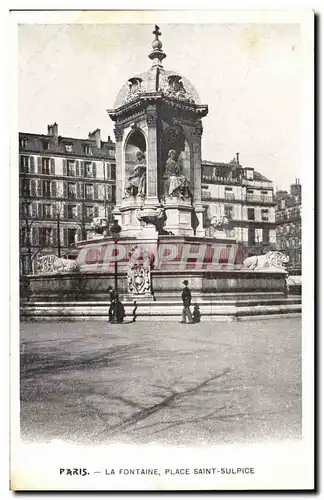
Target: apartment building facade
{"x": 246, "y": 197}
{"x": 289, "y": 224}
{"x": 64, "y": 183}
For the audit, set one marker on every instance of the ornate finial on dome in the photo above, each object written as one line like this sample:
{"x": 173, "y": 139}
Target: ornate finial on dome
{"x": 157, "y": 55}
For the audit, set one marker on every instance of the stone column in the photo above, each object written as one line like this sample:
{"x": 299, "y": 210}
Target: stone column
{"x": 119, "y": 132}
{"x": 196, "y": 148}
{"x": 151, "y": 168}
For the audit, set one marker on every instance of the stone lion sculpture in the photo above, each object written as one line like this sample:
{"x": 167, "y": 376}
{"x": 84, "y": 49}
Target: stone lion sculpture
{"x": 54, "y": 264}
{"x": 271, "y": 260}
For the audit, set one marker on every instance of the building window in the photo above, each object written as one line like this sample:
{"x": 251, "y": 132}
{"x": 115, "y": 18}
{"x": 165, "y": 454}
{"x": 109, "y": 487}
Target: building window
{"x": 251, "y": 236}
{"x": 45, "y": 236}
{"x": 89, "y": 191}
{"x": 72, "y": 211}
{"x": 89, "y": 212}
{"x": 71, "y": 190}
{"x": 46, "y": 145}
{"x": 87, "y": 149}
{"x": 68, "y": 148}
{"x": 45, "y": 165}
{"x": 249, "y": 174}
{"x": 265, "y": 214}
{"x": 23, "y": 236}
{"x": 111, "y": 152}
{"x": 71, "y": 168}
{"x": 113, "y": 172}
{"x": 228, "y": 210}
{"x": 266, "y": 237}
{"x": 47, "y": 189}
{"x": 24, "y": 164}
{"x": 71, "y": 233}
{"x": 88, "y": 171}
{"x": 23, "y": 143}
{"x": 205, "y": 193}
{"x": 250, "y": 213}
{"x": 47, "y": 212}
{"x": 229, "y": 195}
{"x": 25, "y": 209}
{"x": 25, "y": 187}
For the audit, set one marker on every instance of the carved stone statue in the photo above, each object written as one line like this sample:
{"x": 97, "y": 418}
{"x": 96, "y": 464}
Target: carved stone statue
{"x": 53, "y": 264}
{"x": 99, "y": 226}
{"x": 175, "y": 183}
{"x": 137, "y": 180}
{"x": 176, "y": 89}
{"x": 274, "y": 260}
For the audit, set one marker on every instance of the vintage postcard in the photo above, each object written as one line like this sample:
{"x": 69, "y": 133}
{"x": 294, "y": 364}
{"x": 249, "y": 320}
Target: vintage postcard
{"x": 161, "y": 319}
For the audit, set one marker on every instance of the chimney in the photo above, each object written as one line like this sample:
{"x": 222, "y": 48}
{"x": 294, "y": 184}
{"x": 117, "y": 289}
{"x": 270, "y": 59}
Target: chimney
{"x": 52, "y": 130}
{"x": 238, "y": 158}
{"x": 95, "y": 136}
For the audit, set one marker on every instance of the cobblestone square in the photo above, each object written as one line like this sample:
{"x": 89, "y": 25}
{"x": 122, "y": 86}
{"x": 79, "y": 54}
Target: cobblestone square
{"x": 220, "y": 382}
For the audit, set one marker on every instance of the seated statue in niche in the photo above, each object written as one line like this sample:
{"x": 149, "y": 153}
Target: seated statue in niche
{"x": 175, "y": 183}
{"x": 137, "y": 180}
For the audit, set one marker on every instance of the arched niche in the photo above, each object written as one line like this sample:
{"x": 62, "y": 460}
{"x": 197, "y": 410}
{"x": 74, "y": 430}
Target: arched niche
{"x": 174, "y": 138}
{"x": 135, "y": 143}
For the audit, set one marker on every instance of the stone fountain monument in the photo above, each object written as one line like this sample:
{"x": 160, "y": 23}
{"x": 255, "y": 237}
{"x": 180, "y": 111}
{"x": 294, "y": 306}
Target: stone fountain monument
{"x": 158, "y": 130}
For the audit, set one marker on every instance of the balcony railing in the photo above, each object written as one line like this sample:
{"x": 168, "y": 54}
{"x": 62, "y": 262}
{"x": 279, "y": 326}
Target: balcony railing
{"x": 259, "y": 199}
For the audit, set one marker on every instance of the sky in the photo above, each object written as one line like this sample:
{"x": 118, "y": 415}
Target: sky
{"x": 249, "y": 75}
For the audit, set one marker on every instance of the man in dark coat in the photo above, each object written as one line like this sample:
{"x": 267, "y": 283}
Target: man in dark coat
{"x": 112, "y": 297}
{"x": 186, "y": 300}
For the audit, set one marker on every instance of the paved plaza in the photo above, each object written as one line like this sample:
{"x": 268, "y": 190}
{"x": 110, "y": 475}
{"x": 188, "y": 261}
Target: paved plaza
{"x": 92, "y": 382}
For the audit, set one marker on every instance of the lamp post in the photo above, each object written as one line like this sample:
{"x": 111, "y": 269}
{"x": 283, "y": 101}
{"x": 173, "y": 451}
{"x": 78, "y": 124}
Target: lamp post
{"x": 58, "y": 235}
{"x": 115, "y": 230}
{"x": 58, "y": 226}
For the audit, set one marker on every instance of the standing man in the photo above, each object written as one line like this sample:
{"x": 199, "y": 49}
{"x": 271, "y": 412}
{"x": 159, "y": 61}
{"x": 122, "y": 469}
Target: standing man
{"x": 186, "y": 299}
{"x": 112, "y": 296}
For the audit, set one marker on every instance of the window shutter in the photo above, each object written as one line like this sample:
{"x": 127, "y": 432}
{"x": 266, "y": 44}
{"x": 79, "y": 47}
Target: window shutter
{"x": 65, "y": 190}
{"x": 39, "y": 188}
{"x": 79, "y": 211}
{"x": 95, "y": 192}
{"x": 35, "y": 236}
{"x": 82, "y": 169}
{"x": 54, "y": 211}
{"x": 54, "y": 190}
{"x": 34, "y": 209}
{"x": 52, "y": 163}
{"x": 96, "y": 211}
{"x": 65, "y": 237}
{"x": 54, "y": 236}
{"x": 64, "y": 166}
{"x": 32, "y": 164}
{"x": 78, "y": 234}
{"x": 77, "y": 168}
{"x": 109, "y": 192}
{"x": 79, "y": 190}
{"x": 65, "y": 211}
{"x": 108, "y": 171}
{"x": 39, "y": 210}
{"x": 94, "y": 169}
{"x": 39, "y": 165}
{"x": 32, "y": 188}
